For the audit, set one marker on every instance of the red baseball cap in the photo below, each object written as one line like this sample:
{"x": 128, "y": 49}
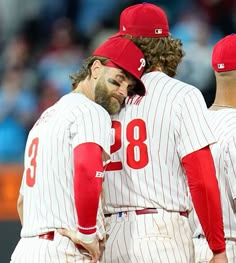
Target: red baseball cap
{"x": 224, "y": 54}
{"x": 126, "y": 55}
{"x": 143, "y": 20}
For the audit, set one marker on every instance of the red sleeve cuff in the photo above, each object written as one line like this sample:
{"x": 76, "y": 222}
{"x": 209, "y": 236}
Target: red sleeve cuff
{"x": 218, "y": 251}
{"x": 87, "y": 231}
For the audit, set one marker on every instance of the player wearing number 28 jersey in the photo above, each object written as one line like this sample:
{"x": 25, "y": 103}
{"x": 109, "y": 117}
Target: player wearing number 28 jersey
{"x": 65, "y": 154}
{"x": 160, "y": 146}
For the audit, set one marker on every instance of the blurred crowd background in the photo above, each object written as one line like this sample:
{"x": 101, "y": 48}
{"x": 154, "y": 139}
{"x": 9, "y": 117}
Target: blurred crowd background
{"x": 42, "y": 42}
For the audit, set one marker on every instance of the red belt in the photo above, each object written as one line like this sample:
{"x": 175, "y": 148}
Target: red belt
{"x": 149, "y": 211}
{"x": 50, "y": 236}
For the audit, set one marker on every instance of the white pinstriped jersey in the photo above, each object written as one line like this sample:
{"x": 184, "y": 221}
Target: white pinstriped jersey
{"x": 223, "y": 122}
{"x": 150, "y": 137}
{"x": 47, "y": 184}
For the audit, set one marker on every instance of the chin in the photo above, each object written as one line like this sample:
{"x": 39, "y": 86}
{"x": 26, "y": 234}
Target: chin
{"x": 114, "y": 111}
{"x": 115, "y": 108}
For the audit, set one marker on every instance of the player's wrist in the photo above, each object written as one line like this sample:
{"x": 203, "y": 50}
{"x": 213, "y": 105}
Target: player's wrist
{"x": 218, "y": 251}
{"x": 86, "y": 238}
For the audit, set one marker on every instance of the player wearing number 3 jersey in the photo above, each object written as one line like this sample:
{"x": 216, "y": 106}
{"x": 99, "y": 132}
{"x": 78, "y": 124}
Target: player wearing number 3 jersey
{"x": 160, "y": 146}
{"x": 64, "y": 157}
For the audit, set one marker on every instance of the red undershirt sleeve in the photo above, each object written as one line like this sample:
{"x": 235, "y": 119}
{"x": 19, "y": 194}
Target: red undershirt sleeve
{"x": 88, "y": 177}
{"x": 203, "y": 184}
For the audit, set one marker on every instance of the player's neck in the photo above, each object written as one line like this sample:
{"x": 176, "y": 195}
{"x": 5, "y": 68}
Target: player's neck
{"x": 224, "y": 102}
{"x": 225, "y": 97}
{"x": 216, "y": 106}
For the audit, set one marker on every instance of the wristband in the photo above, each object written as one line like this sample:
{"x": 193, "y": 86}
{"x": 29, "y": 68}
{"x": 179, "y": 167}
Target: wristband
{"x": 87, "y": 239}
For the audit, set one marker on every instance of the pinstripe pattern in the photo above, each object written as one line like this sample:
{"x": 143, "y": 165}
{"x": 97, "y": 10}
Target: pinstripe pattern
{"x": 73, "y": 120}
{"x": 36, "y": 250}
{"x": 224, "y": 153}
{"x": 203, "y": 254}
{"x": 174, "y": 115}
{"x": 175, "y": 119}
{"x": 159, "y": 238}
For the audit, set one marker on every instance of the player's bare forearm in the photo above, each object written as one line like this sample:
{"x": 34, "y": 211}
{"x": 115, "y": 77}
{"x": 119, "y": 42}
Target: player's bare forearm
{"x": 92, "y": 248}
{"x": 20, "y": 208}
{"x": 219, "y": 258}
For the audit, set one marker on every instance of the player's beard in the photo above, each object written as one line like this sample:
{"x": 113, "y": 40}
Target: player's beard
{"x": 110, "y": 101}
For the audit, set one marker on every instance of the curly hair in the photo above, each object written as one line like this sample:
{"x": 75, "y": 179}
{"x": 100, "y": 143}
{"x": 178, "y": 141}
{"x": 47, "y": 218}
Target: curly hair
{"x": 165, "y": 53}
{"x": 85, "y": 70}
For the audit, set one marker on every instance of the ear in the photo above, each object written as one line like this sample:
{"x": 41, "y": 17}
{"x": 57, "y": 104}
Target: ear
{"x": 96, "y": 69}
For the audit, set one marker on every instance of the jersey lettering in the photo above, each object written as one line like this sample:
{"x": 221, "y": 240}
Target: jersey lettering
{"x": 31, "y": 171}
{"x": 136, "y": 151}
{"x": 137, "y": 154}
{"x": 112, "y": 166}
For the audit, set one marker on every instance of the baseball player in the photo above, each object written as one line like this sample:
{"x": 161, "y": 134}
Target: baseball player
{"x": 223, "y": 122}
{"x": 66, "y": 151}
{"x": 160, "y": 147}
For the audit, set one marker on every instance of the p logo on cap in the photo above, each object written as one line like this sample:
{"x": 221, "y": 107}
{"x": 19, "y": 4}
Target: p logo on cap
{"x": 143, "y": 64}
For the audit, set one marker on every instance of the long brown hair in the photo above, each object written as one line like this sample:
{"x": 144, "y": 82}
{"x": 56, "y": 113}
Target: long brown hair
{"x": 165, "y": 53}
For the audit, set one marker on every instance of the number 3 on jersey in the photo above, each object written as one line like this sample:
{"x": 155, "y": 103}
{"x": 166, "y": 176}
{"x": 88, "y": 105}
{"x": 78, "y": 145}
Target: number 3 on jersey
{"x": 32, "y": 154}
{"x": 136, "y": 150}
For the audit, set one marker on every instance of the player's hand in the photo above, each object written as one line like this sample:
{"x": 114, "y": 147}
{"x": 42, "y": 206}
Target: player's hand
{"x": 92, "y": 248}
{"x": 219, "y": 258}
{"x": 102, "y": 244}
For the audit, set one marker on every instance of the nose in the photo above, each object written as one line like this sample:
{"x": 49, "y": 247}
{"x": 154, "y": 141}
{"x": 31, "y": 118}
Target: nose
{"x": 123, "y": 90}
